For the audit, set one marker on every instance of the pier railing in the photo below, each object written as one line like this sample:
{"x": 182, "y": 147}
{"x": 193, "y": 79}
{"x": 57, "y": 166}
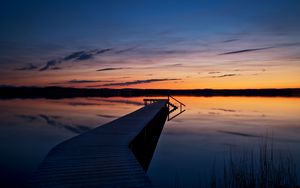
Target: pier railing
{"x": 181, "y": 110}
{"x": 170, "y": 104}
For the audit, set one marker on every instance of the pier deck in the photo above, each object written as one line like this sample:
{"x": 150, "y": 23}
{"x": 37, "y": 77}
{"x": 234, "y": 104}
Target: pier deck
{"x": 105, "y": 156}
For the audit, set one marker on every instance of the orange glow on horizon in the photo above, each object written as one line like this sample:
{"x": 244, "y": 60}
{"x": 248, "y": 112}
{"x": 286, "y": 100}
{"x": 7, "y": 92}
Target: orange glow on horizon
{"x": 166, "y": 74}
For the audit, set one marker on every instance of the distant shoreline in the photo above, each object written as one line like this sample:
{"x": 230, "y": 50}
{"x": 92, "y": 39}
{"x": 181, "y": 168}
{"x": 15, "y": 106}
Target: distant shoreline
{"x": 62, "y": 92}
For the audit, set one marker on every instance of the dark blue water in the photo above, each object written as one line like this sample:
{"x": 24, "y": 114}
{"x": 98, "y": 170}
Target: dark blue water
{"x": 191, "y": 148}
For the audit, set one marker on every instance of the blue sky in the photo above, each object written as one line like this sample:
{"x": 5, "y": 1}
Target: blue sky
{"x": 190, "y": 34}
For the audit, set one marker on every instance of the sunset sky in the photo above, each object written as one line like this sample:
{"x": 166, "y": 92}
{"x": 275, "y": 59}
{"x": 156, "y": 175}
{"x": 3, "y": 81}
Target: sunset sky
{"x": 150, "y": 44}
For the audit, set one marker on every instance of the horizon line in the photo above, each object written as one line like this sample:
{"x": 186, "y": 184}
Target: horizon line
{"x": 12, "y": 86}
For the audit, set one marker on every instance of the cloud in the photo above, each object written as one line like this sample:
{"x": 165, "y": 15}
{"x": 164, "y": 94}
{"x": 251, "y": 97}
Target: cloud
{"x": 213, "y": 72}
{"x": 106, "y": 116}
{"x": 126, "y": 50}
{"x": 51, "y": 63}
{"x": 238, "y": 134}
{"x": 139, "y": 82}
{"x": 113, "y": 68}
{"x": 82, "y": 104}
{"x": 224, "y": 109}
{"x": 55, "y": 68}
{"x": 281, "y": 45}
{"x": 83, "y": 81}
{"x": 80, "y": 82}
{"x": 245, "y": 51}
{"x": 76, "y": 56}
{"x": 291, "y": 44}
{"x": 175, "y": 65}
{"x": 225, "y": 75}
{"x": 230, "y": 40}
{"x": 27, "y": 117}
{"x": 84, "y": 55}
{"x": 27, "y": 67}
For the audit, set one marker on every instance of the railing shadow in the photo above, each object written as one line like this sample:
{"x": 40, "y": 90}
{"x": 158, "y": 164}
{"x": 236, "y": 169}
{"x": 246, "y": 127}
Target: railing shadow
{"x": 144, "y": 144}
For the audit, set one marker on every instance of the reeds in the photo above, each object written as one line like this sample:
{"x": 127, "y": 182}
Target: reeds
{"x": 260, "y": 168}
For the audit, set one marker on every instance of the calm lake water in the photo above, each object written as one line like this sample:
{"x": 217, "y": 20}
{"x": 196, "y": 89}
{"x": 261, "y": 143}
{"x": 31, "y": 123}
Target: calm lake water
{"x": 189, "y": 147}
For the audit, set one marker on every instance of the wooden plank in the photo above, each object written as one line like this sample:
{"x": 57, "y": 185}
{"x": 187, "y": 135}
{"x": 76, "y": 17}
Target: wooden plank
{"x": 100, "y": 157}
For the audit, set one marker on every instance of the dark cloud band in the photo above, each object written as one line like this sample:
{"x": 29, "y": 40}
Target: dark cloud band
{"x": 245, "y": 51}
{"x": 76, "y": 56}
{"x": 139, "y": 82}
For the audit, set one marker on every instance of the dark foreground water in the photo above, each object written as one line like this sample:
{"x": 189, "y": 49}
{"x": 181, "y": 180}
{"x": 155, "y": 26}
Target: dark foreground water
{"x": 192, "y": 146}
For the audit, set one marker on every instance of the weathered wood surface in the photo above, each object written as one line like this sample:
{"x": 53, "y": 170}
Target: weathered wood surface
{"x": 100, "y": 157}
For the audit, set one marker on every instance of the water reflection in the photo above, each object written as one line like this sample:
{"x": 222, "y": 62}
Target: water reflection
{"x": 31, "y": 127}
{"x": 189, "y": 145}
{"x": 55, "y": 122}
{"x": 202, "y": 137}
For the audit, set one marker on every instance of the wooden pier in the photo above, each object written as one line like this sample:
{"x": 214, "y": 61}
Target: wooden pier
{"x": 116, "y": 154}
